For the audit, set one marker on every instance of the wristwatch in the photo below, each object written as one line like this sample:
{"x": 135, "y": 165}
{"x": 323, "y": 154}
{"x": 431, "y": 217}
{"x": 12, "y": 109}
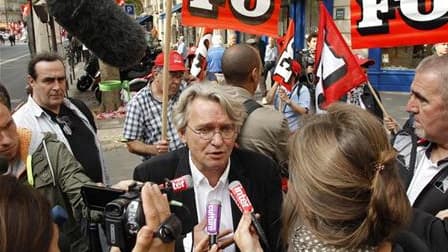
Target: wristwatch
{"x": 170, "y": 230}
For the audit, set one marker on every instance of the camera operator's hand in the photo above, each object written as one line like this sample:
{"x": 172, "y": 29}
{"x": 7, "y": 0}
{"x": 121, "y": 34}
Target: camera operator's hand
{"x": 200, "y": 235}
{"x": 246, "y": 237}
{"x": 124, "y": 184}
{"x": 156, "y": 209}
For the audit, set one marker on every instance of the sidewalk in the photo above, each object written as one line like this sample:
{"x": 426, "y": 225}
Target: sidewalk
{"x": 109, "y": 130}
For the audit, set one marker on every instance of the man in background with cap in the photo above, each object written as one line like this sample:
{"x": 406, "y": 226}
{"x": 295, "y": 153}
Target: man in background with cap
{"x": 362, "y": 96}
{"x": 293, "y": 104}
{"x": 143, "y": 123}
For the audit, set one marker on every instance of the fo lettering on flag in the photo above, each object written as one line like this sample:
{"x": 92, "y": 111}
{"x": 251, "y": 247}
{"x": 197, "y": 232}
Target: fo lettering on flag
{"x": 336, "y": 67}
{"x": 199, "y": 64}
{"x": 283, "y": 73}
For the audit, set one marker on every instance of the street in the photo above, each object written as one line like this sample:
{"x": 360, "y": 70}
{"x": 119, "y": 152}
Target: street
{"x": 13, "y": 64}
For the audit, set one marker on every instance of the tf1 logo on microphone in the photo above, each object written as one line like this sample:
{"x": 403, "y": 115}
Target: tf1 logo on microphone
{"x": 178, "y": 184}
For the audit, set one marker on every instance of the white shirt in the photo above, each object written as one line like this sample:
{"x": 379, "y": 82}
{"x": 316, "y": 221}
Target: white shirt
{"x": 203, "y": 193}
{"x": 423, "y": 174}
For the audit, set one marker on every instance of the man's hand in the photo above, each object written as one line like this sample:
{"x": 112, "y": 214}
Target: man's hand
{"x": 283, "y": 96}
{"x": 156, "y": 209}
{"x": 246, "y": 237}
{"x": 200, "y": 242}
{"x": 443, "y": 214}
{"x": 161, "y": 147}
{"x": 390, "y": 124}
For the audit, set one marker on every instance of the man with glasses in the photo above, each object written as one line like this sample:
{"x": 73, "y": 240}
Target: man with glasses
{"x": 143, "y": 123}
{"x": 208, "y": 119}
{"x": 48, "y": 110}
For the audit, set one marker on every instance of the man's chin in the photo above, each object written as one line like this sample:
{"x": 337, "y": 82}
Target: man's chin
{"x": 420, "y": 133}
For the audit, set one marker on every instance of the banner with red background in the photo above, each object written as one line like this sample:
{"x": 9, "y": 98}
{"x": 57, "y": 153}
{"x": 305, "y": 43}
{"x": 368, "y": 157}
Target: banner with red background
{"x": 398, "y": 23}
{"x": 253, "y": 16}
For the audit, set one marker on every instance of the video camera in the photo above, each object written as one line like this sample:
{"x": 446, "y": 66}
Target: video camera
{"x": 121, "y": 214}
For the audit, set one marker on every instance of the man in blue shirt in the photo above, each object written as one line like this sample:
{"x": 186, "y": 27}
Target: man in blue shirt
{"x": 214, "y": 57}
{"x": 293, "y": 104}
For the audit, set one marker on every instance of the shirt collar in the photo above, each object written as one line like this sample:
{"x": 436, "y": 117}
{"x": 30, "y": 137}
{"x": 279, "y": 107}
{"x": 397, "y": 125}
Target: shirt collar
{"x": 199, "y": 178}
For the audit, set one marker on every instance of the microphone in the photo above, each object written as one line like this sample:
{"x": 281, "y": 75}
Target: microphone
{"x": 3, "y": 165}
{"x": 241, "y": 199}
{"x": 103, "y": 27}
{"x": 213, "y": 221}
{"x": 59, "y": 215}
{"x": 176, "y": 185}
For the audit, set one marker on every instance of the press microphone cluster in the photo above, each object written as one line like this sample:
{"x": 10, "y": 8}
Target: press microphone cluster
{"x": 103, "y": 27}
{"x": 239, "y": 196}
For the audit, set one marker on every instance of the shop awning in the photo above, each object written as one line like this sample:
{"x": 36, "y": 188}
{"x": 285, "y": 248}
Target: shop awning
{"x": 143, "y": 19}
{"x": 175, "y": 8}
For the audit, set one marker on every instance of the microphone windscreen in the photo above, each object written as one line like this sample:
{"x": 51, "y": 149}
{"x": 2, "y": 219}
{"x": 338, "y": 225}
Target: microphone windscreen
{"x": 103, "y": 27}
{"x": 59, "y": 215}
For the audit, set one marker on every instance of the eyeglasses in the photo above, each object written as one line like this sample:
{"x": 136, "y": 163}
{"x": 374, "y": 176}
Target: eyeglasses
{"x": 65, "y": 123}
{"x": 226, "y": 132}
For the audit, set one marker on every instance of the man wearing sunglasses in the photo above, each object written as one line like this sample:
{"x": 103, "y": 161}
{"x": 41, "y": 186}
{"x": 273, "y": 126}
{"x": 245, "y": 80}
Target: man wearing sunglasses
{"x": 143, "y": 123}
{"x": 208, "y": 118}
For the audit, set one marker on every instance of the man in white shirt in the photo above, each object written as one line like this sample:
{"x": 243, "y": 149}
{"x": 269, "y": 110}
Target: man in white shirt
{"x": 208, "y": 119}
{"x": 426, "y": 178}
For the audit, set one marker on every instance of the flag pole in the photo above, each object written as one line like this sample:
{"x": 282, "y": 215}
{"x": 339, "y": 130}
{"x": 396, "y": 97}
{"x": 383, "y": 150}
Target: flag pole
{"x": 166, "y": 53}
{"x": 377, "y": 99}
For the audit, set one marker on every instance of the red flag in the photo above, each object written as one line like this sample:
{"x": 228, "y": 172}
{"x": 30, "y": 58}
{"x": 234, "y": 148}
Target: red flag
{"x": 120, "y": 2}
{"x": 335, "y": 65}
{"x": 25, "y": 8}
{"x": 283, "y": 73}
{"x": 199, "y": 64}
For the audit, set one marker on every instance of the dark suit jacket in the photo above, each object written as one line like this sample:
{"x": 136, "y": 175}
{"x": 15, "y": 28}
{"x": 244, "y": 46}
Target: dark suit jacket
{"x": 258, "y": 174}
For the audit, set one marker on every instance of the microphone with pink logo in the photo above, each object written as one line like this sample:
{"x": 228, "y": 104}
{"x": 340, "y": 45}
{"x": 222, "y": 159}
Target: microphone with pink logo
{"x": 176, "y": 185}
{"x": 213, "y": 221}
{"x": 241, "y": 199}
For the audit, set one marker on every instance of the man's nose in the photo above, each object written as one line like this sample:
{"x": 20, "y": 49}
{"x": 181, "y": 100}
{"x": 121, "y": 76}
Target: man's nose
{"x": 217, "y": 138}
{"x": 411, "y": 105}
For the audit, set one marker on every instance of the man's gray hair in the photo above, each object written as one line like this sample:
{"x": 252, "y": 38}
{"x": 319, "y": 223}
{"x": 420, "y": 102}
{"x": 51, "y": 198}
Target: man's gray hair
{"x": 225, "y": 95}
{"x": 439, "y": 66}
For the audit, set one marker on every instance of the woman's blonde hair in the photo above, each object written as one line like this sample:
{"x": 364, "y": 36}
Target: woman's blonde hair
{"x": 344, "y": 184}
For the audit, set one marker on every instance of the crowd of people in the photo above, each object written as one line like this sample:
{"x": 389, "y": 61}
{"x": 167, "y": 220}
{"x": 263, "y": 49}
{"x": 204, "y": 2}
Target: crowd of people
{"x": 338, "y": 181}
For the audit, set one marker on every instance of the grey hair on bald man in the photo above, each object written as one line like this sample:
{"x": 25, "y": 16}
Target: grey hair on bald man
{"x": 439, "y": 66}
{"x": 225, "y": 95}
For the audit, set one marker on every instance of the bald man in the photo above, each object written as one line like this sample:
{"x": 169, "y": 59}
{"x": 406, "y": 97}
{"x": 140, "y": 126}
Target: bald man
{"x": 265, "y": 130}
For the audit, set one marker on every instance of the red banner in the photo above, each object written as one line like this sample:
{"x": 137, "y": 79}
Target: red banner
{"x": 385, "y": 23}
{"x": 254, "y": 16}
{"x": 199, "y": 65}
{"x": 283, "y": 71}
{"x": 336, "y": 67}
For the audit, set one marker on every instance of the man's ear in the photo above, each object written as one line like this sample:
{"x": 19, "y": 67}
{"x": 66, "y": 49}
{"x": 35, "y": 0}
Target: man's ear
{"x": 255, "y": 76}
{"x": 181, "y": 133}
{"x": 30, "y": 80}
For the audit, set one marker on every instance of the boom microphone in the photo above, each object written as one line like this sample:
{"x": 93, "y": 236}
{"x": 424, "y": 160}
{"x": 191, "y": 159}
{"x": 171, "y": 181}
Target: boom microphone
{"x": 241, "y": 199}
{"x": 103, "y": 27}
{"x": 213, "y": 221}
{"x": 176, "y": 185}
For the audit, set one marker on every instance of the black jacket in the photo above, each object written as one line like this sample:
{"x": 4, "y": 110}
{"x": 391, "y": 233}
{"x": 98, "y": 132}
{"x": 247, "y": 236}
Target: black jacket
{"x": 258, "y": 174}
